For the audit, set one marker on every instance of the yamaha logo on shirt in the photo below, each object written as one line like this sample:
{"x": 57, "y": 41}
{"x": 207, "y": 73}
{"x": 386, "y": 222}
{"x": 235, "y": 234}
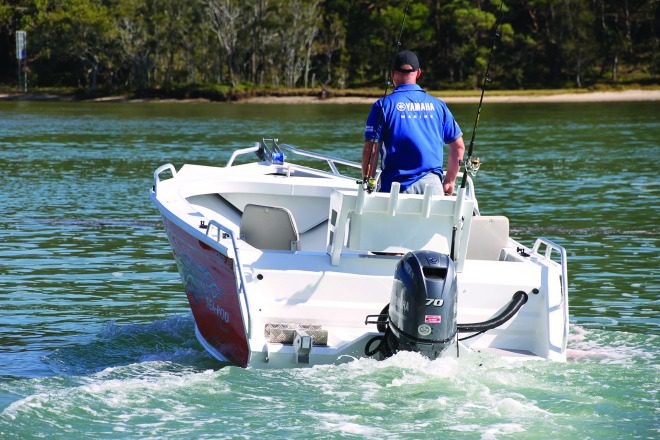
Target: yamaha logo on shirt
{"x": 415, "y": 106}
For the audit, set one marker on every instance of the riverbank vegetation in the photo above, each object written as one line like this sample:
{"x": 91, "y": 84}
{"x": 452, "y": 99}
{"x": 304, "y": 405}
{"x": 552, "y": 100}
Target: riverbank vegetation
{"x": 226, "y": 49}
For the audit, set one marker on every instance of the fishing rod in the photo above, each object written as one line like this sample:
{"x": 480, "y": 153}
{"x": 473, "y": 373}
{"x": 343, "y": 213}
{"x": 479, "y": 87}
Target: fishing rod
{"x": 471, "y": 166}
{"x": 369, "y": 180}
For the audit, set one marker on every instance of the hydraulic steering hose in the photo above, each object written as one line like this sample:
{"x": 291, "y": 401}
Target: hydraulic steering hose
{"x": 517, "y": 301}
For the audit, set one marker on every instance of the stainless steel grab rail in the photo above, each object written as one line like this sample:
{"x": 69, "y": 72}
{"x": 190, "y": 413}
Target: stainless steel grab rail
{"x": 160, "y": 169}
{"x": 329, "y": 159}
{"x": 229, "y": 233}
{"x": 551, "y": 246}
{"x": 241, "y": 152}
{"x": 273, "y": 153}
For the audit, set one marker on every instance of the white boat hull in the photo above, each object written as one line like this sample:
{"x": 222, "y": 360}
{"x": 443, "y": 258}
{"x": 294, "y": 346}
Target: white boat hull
{"x": 340, "y": 267}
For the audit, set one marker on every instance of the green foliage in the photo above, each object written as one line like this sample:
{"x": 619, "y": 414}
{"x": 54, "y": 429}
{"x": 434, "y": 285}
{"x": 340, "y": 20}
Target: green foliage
{"x": 223, "y": 47}
{"x": 75, "y": 34}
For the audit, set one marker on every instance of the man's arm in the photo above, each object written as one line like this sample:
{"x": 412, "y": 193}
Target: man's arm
{"x": 369, "y": 159}
{"x": 456, "y": 152}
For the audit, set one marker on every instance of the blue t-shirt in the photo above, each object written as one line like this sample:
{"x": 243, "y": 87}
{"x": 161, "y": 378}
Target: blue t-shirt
{"x": 413, "y": 127}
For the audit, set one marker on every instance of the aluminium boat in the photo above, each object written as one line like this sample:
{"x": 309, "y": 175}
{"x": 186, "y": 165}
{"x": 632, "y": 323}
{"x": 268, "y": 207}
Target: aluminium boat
{"x": 287, "y": 264}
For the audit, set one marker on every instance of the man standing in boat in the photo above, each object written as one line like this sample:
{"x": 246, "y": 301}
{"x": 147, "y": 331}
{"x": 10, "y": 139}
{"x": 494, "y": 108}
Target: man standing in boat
{"x": 411, "y": 127}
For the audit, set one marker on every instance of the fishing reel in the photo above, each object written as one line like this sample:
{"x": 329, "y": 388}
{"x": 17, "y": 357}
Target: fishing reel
{"x": 368, "y": 184}
{"x": 472, "y": 166}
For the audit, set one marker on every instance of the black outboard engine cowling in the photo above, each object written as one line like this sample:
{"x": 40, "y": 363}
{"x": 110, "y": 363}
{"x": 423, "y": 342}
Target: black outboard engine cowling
{"x": 422, "y": 309}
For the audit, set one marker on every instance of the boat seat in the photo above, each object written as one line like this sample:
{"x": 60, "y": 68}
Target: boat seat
{"x": 269, "y": 228}
{"x": 489, "y": 234}
{"x": 391, "y": 223}
{"x": 315, "y": 238}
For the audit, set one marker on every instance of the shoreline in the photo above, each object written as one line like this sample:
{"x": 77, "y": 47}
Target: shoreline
{"x": 623, "y": 96}
{"x": 633, "y": 95}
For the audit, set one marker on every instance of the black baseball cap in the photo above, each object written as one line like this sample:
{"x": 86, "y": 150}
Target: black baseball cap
{"x": 406, "y": 57}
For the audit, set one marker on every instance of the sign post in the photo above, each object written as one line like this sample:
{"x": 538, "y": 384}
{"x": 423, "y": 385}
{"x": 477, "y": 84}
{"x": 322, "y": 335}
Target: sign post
{"x": 21, "y": 57}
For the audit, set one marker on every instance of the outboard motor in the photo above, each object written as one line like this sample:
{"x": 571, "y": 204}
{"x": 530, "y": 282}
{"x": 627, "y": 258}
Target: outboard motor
{"x": 422, "y": 309}
{"x": 421, "y": 315}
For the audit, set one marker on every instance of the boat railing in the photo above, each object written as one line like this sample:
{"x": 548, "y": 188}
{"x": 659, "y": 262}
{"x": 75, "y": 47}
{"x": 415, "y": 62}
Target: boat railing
{"x": 269, "y": 150}
{"x": 241, "y": 152}
{"x": 331, "y": 161}
{"x": 157, "y": 173}
{"x": 551, "y": 247}
{"x": 224, "y": 232}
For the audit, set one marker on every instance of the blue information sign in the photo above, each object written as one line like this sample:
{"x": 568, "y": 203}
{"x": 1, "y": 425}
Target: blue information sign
{"x": 21, "y": 43}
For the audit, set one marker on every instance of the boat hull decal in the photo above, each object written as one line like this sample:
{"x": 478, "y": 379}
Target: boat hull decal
{"x": 209, "y": 279}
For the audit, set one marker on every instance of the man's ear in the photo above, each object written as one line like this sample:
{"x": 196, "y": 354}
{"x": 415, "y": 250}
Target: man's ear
{"x": 419, "y": 73}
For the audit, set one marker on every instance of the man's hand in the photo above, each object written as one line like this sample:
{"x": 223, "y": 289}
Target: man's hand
{"x": 456, "y": 151}
{"x": 449, "y": 187}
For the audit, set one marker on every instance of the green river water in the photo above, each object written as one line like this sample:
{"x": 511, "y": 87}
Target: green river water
{"x": 97, "y": 341}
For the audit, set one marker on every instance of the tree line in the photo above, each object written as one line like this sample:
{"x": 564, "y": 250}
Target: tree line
{"x": 167, "y": 44}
